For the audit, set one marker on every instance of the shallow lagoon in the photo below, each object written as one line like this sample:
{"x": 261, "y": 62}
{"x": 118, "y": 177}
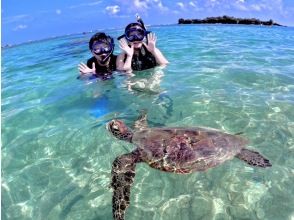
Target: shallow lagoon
{"x": 57, "y": 154}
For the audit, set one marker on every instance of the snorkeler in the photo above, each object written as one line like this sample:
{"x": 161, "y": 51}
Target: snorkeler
{"x": 103, "y": 61}
{"x": 136, "y": 53}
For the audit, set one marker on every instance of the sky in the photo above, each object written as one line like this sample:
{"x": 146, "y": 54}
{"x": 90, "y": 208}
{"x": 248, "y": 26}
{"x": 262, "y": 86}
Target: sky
{"x": 28, "y": 20}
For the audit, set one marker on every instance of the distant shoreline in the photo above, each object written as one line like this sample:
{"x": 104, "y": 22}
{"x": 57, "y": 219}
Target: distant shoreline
{"x": 228, "y": 20}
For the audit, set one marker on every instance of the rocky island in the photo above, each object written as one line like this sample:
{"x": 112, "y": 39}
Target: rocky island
{"x": 227, "y": 20}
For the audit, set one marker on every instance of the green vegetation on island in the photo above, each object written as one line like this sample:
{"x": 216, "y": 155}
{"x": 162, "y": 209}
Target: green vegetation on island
{"x": 227, "y": 20}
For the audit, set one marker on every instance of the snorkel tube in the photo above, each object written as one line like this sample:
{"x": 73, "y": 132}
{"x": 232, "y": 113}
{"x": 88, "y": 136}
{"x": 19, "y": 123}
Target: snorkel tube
{"x": 139, "y": 20}
{"x": 111, "y": 43}
{"x": 104, "y": 60}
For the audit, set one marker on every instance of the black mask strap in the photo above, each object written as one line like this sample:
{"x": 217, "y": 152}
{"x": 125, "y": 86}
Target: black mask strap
{"x": 120, "y": 37}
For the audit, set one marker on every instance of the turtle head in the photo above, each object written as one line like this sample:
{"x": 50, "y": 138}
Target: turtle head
{"x": 119, "y": 130}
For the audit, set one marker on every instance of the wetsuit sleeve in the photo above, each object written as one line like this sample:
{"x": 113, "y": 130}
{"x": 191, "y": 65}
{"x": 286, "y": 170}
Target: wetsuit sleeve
{"x": 90, "y": 61}
{"x": 114, "y": 59}
{"x": 89, "y": 64}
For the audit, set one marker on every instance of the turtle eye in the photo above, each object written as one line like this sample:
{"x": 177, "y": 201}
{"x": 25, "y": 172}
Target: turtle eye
{"x": 115, "y": 127}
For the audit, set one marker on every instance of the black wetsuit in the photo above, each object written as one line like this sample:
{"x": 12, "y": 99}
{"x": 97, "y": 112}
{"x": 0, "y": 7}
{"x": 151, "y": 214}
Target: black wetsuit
{"x": 143, "y": 60}
{"x": 103, "y": 71}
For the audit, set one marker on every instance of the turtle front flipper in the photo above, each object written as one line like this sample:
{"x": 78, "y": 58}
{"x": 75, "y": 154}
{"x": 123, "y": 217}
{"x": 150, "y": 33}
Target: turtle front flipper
{"x": 141, "y": 122}
{"x": 123, "y": 174}
{"x": 253, "y": 158}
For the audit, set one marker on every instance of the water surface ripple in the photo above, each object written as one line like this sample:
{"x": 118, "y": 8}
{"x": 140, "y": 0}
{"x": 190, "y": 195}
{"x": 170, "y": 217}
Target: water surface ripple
{"x": 57, "y": 154}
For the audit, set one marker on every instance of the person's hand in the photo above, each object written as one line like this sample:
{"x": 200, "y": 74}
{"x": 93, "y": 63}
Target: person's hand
{"x": 151, "y": 39}
{"x": 84, "y": 69}
{"x": 123, "y": 44}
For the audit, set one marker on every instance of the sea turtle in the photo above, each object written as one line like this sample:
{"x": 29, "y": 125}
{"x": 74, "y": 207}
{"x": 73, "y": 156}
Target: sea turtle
{"x": 172, "y": 149}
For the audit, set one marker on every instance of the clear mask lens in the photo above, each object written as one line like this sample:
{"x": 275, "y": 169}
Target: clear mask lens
{"x": 101, "y": 48}
{"x": 135, "y": 34}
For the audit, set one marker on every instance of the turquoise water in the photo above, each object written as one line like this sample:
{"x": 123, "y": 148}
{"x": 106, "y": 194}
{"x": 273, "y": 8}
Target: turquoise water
{"x": 57, "y": 154}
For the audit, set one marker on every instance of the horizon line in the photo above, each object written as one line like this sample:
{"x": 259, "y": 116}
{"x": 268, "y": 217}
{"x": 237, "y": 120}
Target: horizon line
{"x": 7, "y": 45}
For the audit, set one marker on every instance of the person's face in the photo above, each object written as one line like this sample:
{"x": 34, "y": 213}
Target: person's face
{"x": 101, "y": 50}
{"x": 136, "y": 44}
{"x": 135, "y": 36}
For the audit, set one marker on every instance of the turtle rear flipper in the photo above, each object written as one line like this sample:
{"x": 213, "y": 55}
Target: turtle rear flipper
{"x": 123, "y": 174}
{"x": 253, "y": 158}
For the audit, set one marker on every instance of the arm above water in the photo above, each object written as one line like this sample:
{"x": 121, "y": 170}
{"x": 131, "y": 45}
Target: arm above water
{"x": 151, "y": 47}
{"x": 122, "y": 63}
{"x": 85, "y": 69}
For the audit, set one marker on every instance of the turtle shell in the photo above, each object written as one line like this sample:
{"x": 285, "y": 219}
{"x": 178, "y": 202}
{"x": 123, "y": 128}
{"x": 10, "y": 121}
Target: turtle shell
{"x": 185, "y": 150}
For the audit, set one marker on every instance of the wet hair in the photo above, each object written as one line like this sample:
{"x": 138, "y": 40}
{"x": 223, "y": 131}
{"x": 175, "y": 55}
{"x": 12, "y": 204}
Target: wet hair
{"x": 100, "y": 36}
{"x": 134, "y": 25}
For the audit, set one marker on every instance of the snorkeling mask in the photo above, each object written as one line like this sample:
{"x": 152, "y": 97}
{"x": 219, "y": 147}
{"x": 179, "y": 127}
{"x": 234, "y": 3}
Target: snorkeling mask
{"x": 103, "y": 47}
{"x": 135, "y": 31}
{"x": 99, "y": 48}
